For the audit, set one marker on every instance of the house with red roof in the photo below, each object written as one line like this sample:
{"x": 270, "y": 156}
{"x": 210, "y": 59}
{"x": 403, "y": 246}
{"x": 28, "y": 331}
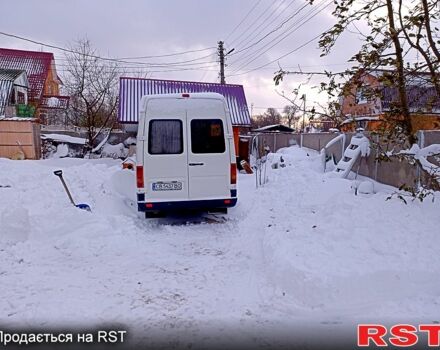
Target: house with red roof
{"x": 44, "y": 83}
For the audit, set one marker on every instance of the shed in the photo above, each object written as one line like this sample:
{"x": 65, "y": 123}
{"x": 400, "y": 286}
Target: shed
{"x": 20, "y": 134}
{"x": 131, "y": 91}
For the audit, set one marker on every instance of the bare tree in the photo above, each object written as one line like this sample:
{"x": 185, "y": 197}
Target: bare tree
{"x": 328, "y": 113}
{"x": 92, "y": 85}
{"x": 290, "y": 115}
{"x": 270, "y": 117}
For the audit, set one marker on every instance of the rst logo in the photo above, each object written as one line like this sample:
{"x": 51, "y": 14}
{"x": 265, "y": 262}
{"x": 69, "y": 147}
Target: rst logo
{"x": 401, "y": 335}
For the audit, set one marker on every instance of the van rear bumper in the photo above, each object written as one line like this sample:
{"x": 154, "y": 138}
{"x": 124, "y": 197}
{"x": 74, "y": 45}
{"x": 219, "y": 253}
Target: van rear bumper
{"x": 186, "y": 205}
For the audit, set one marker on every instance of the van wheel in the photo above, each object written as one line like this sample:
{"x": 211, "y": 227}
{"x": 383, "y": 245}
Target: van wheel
{"x": 153, "y": 214}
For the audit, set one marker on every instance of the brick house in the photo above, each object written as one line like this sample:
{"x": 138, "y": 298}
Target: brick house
{"x": 364, "y": 109}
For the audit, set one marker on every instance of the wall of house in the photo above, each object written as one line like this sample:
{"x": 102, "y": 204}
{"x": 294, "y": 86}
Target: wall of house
{"x": 419, "y": 122}
{"x": 349, "y": 105}
{"x": 51, "y": 85}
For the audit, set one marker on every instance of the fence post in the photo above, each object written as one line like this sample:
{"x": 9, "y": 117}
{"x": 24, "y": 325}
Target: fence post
{"x": 301, "y": 140}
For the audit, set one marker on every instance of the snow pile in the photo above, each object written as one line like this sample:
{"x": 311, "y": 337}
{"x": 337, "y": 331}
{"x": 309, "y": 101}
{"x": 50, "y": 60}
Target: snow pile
{"x": 114, "y": 151}
{"x": 421, "y": 154}
{"x": 130, "y": 141}
{"x": 52, "y": 102}
{"x": 62, "y": 151}
{"x": 364, "y": 146}
{"x": 64, "y": 138}
{"x": 300, "y": 253}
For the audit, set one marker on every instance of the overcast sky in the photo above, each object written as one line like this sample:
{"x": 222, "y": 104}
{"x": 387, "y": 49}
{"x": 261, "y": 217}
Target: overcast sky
{"x": 134, "y": 28}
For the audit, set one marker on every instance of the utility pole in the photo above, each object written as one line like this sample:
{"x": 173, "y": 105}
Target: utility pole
{"x": 221, "y": 54}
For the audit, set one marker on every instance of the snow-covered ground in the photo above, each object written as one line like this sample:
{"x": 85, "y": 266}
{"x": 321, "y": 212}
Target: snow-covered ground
{"x": 301, "y": 254}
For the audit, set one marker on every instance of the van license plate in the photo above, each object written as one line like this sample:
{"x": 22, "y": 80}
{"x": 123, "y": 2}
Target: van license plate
{"x": 167, "y": 186}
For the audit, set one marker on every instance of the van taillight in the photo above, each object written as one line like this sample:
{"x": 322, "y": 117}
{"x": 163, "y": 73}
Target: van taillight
{"x": 233, "y": 173}
{"x": 140, "y": 176}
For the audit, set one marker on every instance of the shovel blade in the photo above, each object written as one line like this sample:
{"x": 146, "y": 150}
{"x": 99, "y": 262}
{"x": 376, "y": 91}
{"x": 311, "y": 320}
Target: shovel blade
{"x": 84, "y": 207}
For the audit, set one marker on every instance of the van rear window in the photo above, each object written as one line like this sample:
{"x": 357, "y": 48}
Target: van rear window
{"x": 165, "y": 136}
{"x": 207, "y": 136}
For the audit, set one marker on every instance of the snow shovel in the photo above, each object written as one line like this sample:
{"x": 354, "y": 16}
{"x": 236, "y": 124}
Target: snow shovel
{"x": 83, "y": 206}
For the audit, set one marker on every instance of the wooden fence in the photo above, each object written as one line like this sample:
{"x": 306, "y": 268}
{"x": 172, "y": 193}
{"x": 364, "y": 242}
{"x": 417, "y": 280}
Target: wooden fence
{"x": 14, "y": 133}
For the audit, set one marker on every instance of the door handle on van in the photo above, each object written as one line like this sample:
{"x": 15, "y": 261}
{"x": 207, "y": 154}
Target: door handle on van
{"x": 195, "y": 164}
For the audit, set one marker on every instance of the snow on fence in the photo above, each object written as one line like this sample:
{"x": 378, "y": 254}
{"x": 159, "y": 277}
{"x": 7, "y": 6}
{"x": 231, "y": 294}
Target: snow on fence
{"x": 340, "y": 138}
{"x": 20, "y": 135}
{"x": 393, "y": 172}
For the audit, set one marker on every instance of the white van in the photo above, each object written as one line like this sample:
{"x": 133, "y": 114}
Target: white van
{"x": 185, "y": 154}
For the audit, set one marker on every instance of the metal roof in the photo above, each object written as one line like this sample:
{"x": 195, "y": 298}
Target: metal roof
{"x": 10, "y": 74}
{"x": 36, "y": 64}
{"x": 131, "y": 91}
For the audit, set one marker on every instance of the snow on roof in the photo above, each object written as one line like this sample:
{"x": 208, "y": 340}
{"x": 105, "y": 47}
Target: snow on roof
{"x": 17, "y": 119}
{"x": 359, "y": 119}
{"x": 36, "y": 64}
{"x": 64, "y": 138}
{"x": 131, "y": 91}
{"x": 275, "y": 127}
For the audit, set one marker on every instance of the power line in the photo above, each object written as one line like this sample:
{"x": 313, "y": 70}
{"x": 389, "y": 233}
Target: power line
{"x": 128, "y": 71}
{"x": 168, "y": 55}
{"x": 290, "y": 29}
{"x": 251, "y": 25}
{"x": 66, "y": 64}
{"x": 245, "y": 17}
{"x": 268, "y": 24}
{"x": 277, "y": 59}
{"x": 245, "y": 39}
{"x": 287, "y": 33}
{"x": 276, "y": 29}
{"x": 151, "y": 64}
{"x": 82, "y": 54}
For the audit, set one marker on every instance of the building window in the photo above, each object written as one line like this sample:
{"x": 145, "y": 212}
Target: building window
{"x": 361, "y": 96}
{"x": 21, "y": 97}
{"x": 13, "y": 97}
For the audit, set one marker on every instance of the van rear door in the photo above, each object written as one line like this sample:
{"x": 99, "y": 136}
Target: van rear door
{"x": 208, "y": 149}
{"x": 165, "y": 155}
